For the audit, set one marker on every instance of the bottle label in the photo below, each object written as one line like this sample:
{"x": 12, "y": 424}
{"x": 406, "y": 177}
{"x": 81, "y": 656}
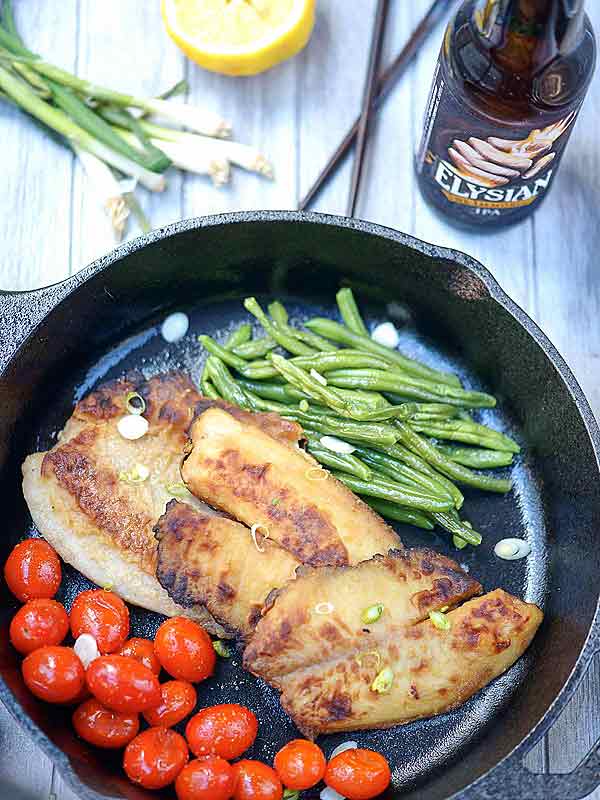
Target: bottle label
{"x": 486, "y": 169}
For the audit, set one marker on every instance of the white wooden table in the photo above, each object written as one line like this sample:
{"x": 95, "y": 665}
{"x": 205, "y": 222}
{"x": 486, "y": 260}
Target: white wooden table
{"x": 51, "y": 225}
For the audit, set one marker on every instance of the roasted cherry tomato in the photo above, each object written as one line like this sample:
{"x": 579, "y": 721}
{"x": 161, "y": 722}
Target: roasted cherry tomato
{"x": 32, "y": 570}
{"x": 300, "y": 764}
{"x": 178, "y": 700}
{"x": 103, "y": 615}
{"x": 358, "y": 774}
{"x": 38, "y": 623}
{"x": 256, "y": 781}
{"x": 54, "y": 674}
{"x": 123, "y": 684}
{"x": 143, "y": 651}
{"x": 103, "y": 727}
{"x": 209, "y": 778}
{"x": 185, "y": 649}
{"x": 155, "y": 757}
{"x": 226, "y": 730}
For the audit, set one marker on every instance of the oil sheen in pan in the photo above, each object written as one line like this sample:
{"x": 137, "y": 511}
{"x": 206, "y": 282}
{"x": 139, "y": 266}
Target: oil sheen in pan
{"x": 421, "y": 746}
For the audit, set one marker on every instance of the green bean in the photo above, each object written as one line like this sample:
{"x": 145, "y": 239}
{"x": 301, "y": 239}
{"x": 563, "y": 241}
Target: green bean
{"x": 399, "y": 514}
{"x": 341, "y": 461}
{"x": 342, "y": 359}
{"x": 302, "y": 380}
{"x": 469, "y": 432}
{"x": 476, "y": 458}
{"x": 408, "y": 386}
{"x": 221, "y": 353}
{"x": 406, "y": 456}
{"x": 339, "y": 333}
{"x": 240, "y": 335}
{"x": 350, "y": 313}
{"x": 281, "y": 392}
{"x": 259, "y": 370}
{"x": 457, "y": 472}
{"x": 453, "y": 524}
{"x": 208, "y": 390}
{"x": 255, "y": 348}
{"x": 394, "y": 492}
{"x": 286, "y": 341}
{"x": 278, "y": 312}
{"x": 402, "y": 473}
{"x": 429, "y": 412}
{"x": 226, "y": 386}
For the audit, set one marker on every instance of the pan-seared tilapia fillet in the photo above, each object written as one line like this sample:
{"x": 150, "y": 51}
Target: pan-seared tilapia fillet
{"x": 214, "y": 561}
{"x": 260, "y": 479}
{"x": 325, "y": 660}
{"x": 99, "y": 522}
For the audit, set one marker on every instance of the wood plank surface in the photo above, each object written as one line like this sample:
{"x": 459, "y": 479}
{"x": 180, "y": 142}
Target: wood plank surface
{"x": 51, "y": 224}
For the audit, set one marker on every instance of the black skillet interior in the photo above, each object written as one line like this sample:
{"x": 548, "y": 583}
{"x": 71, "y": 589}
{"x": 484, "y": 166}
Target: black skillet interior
{"x": 448, "y": 319}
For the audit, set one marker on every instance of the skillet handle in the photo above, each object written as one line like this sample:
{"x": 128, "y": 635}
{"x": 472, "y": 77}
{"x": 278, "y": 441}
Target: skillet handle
{"x": 512, "y": 779}
{"x": 21, "y": 313}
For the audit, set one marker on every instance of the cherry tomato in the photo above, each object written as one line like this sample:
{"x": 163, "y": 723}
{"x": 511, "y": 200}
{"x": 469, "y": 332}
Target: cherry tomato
{"x": 54, "y": 674}
{"x": 185, "y": 649}
{"x": 226, "y": 730}
{"x": 209, "y": 778}
{"x": 103, "y": 615}
{"x": 38, "y": 623}
{"x": 300, "y": 764}
{"x": 178, "y": 700}
{"x": 358, "y": 774}
{"x": 103, "y": 727}
{"x": 123, "y": 684}
{"x": 256, "y": 781}
{"x": 155, "y": 757}
{"x": 143, "y": 651}
{"x": 32, "y": 570}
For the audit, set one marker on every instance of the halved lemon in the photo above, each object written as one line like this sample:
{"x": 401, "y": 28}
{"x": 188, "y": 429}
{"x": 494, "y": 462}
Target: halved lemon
{"x": 239, "y": 37}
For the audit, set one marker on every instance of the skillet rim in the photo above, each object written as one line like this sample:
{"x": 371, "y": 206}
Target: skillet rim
{"x": 54, "y": 294}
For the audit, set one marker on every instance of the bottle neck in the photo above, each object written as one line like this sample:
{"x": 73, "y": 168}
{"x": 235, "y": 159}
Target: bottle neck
{"x": 524, "y": 36}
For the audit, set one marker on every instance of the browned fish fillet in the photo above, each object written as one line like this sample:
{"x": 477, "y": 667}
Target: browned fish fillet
{"x": 214, "y": 561}
{"x": 98, "y": 522}
{"x": 325, "y": 663}
{"x": 260, "y": 479}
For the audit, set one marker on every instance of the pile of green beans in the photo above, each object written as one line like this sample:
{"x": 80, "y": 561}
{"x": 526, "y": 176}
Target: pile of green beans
{"x": 402, "y": 418}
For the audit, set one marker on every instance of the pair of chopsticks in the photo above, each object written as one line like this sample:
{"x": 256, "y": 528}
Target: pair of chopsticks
{"x": 375, "y": 91}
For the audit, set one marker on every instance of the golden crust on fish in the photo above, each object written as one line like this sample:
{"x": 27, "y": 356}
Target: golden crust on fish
{"x": 214, "y": 561}
{"x": 101, "y": 524}
{"x": 321, "y": 612}
{"x": 260, "y": 479}
{"x": 433, "y": 670}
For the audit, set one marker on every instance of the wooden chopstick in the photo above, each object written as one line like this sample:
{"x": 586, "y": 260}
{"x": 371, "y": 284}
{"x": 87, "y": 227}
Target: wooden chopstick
{"x": 367, "y": 102}
{"x": 386, "y": 82}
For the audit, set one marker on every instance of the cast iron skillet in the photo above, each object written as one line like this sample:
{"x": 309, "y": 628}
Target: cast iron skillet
{"x": 58, "y": 342}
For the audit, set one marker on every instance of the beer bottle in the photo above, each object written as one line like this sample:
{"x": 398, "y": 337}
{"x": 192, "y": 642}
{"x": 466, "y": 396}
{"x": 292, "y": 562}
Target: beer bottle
{"x": 509, "y": 83}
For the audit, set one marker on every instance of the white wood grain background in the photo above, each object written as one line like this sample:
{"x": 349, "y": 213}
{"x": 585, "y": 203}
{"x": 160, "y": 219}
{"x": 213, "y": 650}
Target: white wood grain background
{"x": 51, "y": 225}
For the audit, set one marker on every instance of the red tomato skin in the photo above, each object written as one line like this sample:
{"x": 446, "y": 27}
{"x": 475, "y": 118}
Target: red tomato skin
{"x": 103, "y": 727}
{"x": 358, "y": 774}
{"x": 300, "y": 764}
{"x": 178, "y": 700}
{"x": 226, "y": 730}
{"x": 123, "y": 684}
{"x": 185, "y": 650}
{"x": 32, "y": 570}
{"x": 143, "y": 651}
{"x": 209, "y": 778}
{"x": 54, "y": 674}
{"x": 103, "y": 615}
{"x": 155, "y": 757}
{"x": 38, "y": 623}
{"x": 256, "y": 781}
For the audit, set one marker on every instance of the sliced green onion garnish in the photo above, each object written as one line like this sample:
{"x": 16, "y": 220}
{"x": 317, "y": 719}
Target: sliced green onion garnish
{"x": 178, "y": 490}
{"x": 383, "y": 682}
{"x": 369, "y": 654}
{"x": 439, "y": 620}
{"x": 135, "y": 403}
{"x": 137, "y": 474}
{"x": 291, "y": 794}
{"x": 221, "y": 649}
{"x": 372, "y": 613}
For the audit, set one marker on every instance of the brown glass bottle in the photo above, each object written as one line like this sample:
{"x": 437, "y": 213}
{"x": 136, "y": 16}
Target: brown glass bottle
{"x": 509, "y": 83}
